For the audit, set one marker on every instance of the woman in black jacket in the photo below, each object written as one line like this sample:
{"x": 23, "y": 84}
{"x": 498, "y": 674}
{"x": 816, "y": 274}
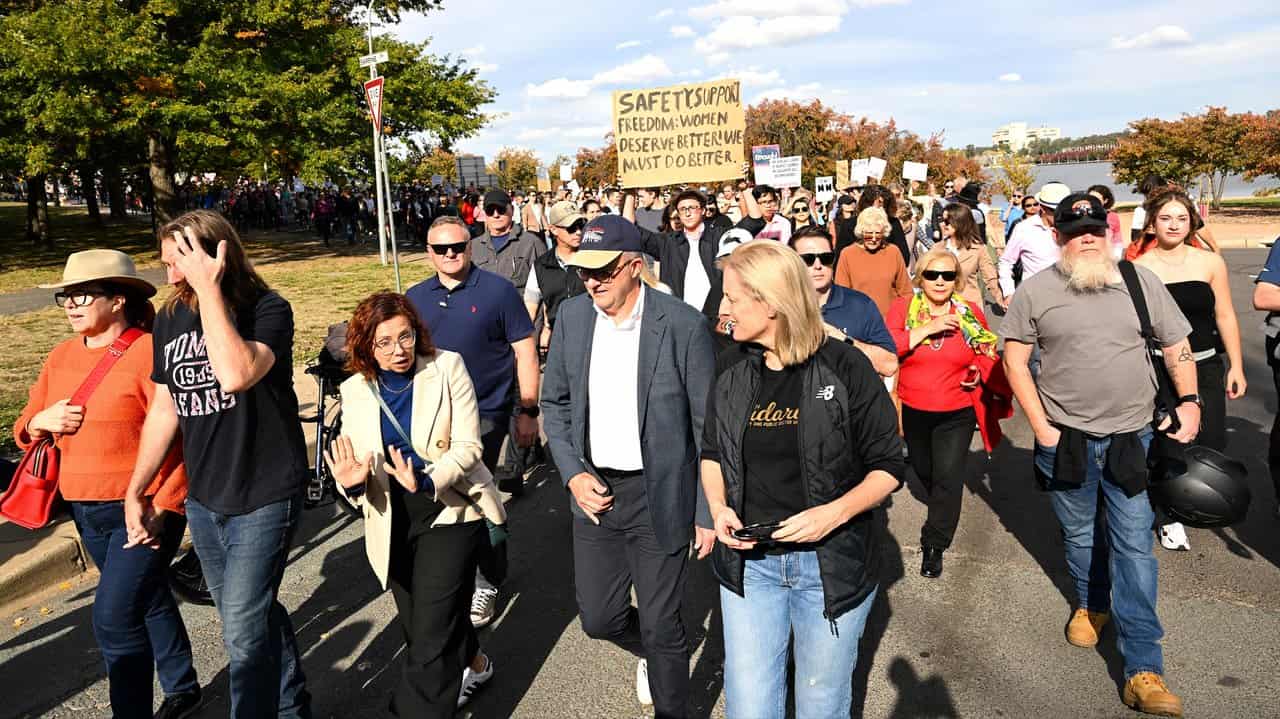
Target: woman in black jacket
{"x": 800, "y": 437}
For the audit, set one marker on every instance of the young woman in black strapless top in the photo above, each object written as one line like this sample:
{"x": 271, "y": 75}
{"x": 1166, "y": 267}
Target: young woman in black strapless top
{"x": 1197, "y": 279}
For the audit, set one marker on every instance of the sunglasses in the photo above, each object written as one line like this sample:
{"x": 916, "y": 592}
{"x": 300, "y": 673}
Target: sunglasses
{"x": 931, "y": 275}
{"x": 495, "y": 210}
{"x": 576, "y": 227}
{"x": 603, "y": 275}
{"x": 826, "y": 258}
{"x": 799, "y": 209}
{"x": 79, "y": 298}
{"x": 456, "y": 248}
{"x": 1031, "y": 205}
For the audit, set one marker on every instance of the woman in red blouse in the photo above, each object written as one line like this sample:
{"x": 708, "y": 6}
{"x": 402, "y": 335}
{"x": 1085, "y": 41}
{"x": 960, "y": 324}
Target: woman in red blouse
{"x": 945, "y": 352}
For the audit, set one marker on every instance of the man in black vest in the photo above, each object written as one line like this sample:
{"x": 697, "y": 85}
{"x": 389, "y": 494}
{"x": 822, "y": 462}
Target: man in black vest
{"x": 552, "y": 281}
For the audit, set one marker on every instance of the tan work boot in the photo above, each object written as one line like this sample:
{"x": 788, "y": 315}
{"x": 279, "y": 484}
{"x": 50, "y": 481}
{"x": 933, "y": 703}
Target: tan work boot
{"x": 1084, "y": 627}
{"x": 1146, "y": 692}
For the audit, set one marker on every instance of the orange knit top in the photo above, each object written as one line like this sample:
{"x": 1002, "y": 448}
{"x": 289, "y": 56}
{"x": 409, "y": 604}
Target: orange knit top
{"x": 97, "y": 461}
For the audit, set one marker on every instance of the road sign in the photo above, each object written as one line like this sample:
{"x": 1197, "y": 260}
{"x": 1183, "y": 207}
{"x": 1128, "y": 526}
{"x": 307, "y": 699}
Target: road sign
{"x": 373, "y": 93}
{"x": 374, "y": 59}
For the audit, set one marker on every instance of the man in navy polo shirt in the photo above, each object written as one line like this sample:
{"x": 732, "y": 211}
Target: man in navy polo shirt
{"x": 849, "y": 314}
{"x": 480, "y": 316}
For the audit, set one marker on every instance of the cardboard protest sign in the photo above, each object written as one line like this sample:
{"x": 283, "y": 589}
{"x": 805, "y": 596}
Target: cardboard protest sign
{"x": 544, "y": 179}
{"x": 876, "y": 167}
{"x": 842, "y": 174}
{"x": 824, "y": 188}
{"x": 761, "y": 155}
{"x": 858, "y": 171}
{"x": 918, "y": 171}
{"x": 786, "y": 171}
{"x": 566, "y": 172}
{"x": 680, "y": 133}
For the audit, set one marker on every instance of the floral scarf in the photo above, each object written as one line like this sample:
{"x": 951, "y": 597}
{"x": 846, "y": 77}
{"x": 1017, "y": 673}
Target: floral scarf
{"x": 981, "y": 339}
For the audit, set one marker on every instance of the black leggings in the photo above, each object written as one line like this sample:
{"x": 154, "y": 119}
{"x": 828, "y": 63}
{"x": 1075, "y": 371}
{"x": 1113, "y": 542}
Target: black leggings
{"x": 1211, "y": 384}
{"x": 939, "y": 440}
{"x": 1273, "y": 453}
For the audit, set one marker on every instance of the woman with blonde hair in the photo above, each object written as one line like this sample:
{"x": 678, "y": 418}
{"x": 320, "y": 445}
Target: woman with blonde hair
{"x": 796, "y": 554}
{"x": 947, "y": 357}
{"x": 867, "y": 268}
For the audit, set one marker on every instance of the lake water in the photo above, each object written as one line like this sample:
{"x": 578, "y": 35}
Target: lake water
{"x": 1081, "y": 175}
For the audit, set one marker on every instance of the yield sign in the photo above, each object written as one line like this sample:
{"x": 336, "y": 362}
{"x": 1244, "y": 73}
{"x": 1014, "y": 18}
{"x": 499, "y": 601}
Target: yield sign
{"x": 373, "y": 93}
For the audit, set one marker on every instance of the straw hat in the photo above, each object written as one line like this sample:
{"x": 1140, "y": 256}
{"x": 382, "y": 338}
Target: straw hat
{"x": 101, "y": 265}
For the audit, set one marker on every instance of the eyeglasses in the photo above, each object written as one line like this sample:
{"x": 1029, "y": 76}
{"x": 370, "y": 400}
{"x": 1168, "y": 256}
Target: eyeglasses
{"x": 405, "y": 341}
{"x": 932, "y": 275}
{"x": 603, "y": 275}
{"x": 689, "y": 209}
{"x": 826, "y": 258}
{"x": 79, "y": 298}
{"x": 456, "y": 248}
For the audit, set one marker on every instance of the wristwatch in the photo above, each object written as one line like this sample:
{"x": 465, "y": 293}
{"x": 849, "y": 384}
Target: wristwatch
{"x": 533, "y": 411}
{"x": 1191, "y": 398}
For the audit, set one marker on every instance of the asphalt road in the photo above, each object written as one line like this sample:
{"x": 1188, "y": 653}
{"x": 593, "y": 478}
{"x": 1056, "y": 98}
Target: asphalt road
{"x": 985, "y": 640}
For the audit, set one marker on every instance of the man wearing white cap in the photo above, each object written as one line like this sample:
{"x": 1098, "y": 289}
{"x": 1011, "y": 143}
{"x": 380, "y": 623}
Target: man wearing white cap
{"x": 1032, "y": 241}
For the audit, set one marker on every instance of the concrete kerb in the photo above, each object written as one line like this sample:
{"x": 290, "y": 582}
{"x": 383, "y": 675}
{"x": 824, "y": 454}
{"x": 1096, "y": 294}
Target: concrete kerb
{"x": 31, "y": 561}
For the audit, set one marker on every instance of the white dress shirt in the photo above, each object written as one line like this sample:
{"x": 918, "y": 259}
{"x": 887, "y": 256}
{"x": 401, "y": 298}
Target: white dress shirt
{"x": 613, "y": 411}
{"x": 697, "y": 285}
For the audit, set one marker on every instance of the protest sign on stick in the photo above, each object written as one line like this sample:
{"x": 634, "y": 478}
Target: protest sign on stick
{"x": 786, "y": 171}
{"x": 842, "y": 174}
{"x": 761, "y": 156}
{"x": 824, "y": 188}
{"x": 544, "y": 179}
{"x": 680, "y": 133}
{"x": 917, "y": 171}
{"x": 566, "y": 172}
{"x": 858, "y": 171}
{"x": 876, "y": 167}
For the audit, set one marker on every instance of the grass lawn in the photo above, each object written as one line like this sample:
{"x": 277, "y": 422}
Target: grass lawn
{"x": 24, "y": 265}
{"x": 323, "y": 286}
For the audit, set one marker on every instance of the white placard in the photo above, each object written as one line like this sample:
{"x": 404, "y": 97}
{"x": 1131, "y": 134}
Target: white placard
{"x": 566, "y": 172}
{"x": 824, "y": 188}
{"x": 786, "y": 170}
{"x": 437, "y": 180}
{"x": 858, "y": 171}
{"x": 876, "y": 167}
{"x": 917, "y": 171}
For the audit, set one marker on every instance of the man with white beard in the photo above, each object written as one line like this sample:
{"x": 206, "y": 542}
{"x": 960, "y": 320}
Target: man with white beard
{"x": 1091, "y": 410}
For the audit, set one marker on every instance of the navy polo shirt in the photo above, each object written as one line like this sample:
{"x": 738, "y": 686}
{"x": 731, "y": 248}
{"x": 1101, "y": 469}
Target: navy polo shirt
{"x": 479, "y": 319}
{"x": 856, "y": 315}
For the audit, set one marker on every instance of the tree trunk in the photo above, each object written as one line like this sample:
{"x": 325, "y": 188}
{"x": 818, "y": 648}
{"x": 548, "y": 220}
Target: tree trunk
{"x": 115, "y": 192}
{"x": 164, "y": 195}
{"x": 89, "y": 188}
{"x": 37, "y": 210}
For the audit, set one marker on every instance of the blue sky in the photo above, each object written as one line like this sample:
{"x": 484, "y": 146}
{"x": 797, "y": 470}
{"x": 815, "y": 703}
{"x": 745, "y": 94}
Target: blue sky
{"x": 962, "y": 68}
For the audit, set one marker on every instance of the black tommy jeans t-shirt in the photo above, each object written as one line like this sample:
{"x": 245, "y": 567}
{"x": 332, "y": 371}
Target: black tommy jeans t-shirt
{"x": 244, "y": 450}
{"x": 771, "y": 449}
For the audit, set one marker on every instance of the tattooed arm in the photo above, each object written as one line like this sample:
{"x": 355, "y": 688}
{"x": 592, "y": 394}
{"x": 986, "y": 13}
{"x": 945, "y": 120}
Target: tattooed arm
{"x": 1182, "y": 370}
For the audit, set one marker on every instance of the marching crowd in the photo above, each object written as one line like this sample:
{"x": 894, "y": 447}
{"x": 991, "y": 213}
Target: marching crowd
{"x": 743, "y": 374}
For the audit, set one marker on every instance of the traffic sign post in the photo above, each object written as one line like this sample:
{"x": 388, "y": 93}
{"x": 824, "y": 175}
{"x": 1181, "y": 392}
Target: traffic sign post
{"x": 373, "y": 91}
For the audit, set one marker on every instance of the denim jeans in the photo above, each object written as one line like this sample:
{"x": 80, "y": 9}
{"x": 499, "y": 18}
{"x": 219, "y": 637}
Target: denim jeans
{"x": 783, "y": 597}
{"x": 243, "y": 557}
{"x": 135, "y": 618}
{"x": 1110, "y": 561}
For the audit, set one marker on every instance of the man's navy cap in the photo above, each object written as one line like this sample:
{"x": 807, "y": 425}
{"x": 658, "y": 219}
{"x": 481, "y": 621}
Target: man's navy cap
{"x": 1079, "y": 214}
{"x": 603, "y": 240}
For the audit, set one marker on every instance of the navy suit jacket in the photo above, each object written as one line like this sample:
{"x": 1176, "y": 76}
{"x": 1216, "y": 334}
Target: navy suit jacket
{"x": 675, "y": 371}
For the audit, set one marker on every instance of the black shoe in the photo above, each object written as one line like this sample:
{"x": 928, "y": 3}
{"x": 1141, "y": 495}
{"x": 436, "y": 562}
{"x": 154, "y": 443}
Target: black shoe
{"x": 931, "y": 563}
{"x": 177, "y": 706}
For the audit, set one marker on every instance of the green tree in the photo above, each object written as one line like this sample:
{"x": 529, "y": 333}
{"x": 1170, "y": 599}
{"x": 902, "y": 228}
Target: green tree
{"x": 1018, "y": 174}
{"x": 517, "y": 169}
{"x": 1210, "y": 145}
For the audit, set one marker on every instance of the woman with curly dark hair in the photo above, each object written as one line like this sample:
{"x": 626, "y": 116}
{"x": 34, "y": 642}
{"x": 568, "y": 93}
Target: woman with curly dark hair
{"x": 410, "y": 455}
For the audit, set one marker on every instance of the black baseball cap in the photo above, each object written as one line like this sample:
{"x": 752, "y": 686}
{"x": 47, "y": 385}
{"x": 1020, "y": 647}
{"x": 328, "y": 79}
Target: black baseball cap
{"x": 603, "y": 240}
{"x": 1079, "y": 214}
{"x": 496, "y": 197}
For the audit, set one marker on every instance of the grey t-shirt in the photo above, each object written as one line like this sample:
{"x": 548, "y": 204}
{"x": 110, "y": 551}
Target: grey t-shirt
{"x": 649, "y": 218}
{"x": 1094, "y": 373}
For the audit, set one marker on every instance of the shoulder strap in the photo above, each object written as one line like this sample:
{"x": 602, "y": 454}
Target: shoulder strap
{"x": 404, "y": 436}
{"x": 1131, "y": 281}
{"x": 100, "y": 370}
{"x": 1164, "y": 384}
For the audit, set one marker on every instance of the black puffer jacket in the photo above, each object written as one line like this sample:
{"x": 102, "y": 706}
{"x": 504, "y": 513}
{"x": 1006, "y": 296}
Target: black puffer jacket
{"x": 848, "y": 427}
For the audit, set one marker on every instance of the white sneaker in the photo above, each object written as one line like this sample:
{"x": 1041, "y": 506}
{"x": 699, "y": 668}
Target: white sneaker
{"x": 483, "y": 603}
{"x": 472, "y": 680}
{"x": 642, "y": 683}
{"x": 1174, "y": 536}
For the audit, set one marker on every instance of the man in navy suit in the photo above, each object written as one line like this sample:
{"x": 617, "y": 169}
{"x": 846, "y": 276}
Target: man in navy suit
{"x": 623, "y": 396}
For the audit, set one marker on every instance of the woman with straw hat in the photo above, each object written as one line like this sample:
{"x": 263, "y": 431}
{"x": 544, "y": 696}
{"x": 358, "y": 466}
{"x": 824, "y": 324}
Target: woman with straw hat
{"x": 135, "y": 618}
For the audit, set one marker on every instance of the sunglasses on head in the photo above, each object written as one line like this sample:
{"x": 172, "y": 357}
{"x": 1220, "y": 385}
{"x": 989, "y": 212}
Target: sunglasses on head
{"x": 931, "y": 275}
{"x": 826, "y": 258}
{"x": 456, "y": 248}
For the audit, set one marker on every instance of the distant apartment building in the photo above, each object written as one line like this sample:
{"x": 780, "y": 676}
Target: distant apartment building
{"x": 1016, "y": 135}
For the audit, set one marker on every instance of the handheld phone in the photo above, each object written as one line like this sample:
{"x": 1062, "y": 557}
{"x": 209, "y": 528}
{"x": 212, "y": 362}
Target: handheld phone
{"x": 757, "y": 532}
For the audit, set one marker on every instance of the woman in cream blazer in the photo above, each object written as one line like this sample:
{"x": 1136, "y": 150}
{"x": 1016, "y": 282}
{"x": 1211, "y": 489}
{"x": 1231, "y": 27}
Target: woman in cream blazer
{"x": 425, "y": 501}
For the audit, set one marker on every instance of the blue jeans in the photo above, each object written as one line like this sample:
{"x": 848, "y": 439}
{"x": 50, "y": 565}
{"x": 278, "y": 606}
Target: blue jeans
{"x": 1111, "y": 561}
{"x": 135, "y": 618}
{"x": 783, "y": 597}
{"x": 243, "y": 557}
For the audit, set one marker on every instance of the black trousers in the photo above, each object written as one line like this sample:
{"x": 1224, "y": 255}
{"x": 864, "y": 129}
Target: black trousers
{"x": 938, "y": 443}
{"x": 608, "y": 560}
{"x": 432, "y": 576}
{"x": 1273, "y": 452}
{"x": 1211, "y": 385}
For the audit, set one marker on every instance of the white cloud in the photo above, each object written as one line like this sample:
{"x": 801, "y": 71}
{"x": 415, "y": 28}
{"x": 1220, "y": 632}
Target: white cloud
{"x": 841, "y": 92}
{"x": 800, "y": 93}
{"x": 627, "y": 44}
{"x": 682, "y": 31}
{"x": 646, "y": 69}
{"x": 542, "y": 133}
{"x": 1163, "y": 36}
{"x": 593, "y": 132}
{"x": 774, "y": 9}
{"x": 693, "y": 72}
{"x": 664, "y": 13}
{"x": 744, "y": 33}
{"x": 473, "y": 50}
{"x": 717, "y": 58}
{"x": 1011, "y": 77}
{"x": 753, "y": 75}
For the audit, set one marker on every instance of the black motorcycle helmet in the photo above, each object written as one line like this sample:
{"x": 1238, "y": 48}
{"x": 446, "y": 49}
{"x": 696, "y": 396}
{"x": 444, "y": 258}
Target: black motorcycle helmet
{"x": 1200, "y": 487}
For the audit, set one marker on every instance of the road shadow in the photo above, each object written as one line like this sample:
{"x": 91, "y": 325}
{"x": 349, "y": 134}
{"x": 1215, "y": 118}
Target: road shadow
{"x": 1256, "y": 536}
{"x": 62, "y": 659}
{"x": 890, "y": 572}
{"x": 919, "y": 697}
